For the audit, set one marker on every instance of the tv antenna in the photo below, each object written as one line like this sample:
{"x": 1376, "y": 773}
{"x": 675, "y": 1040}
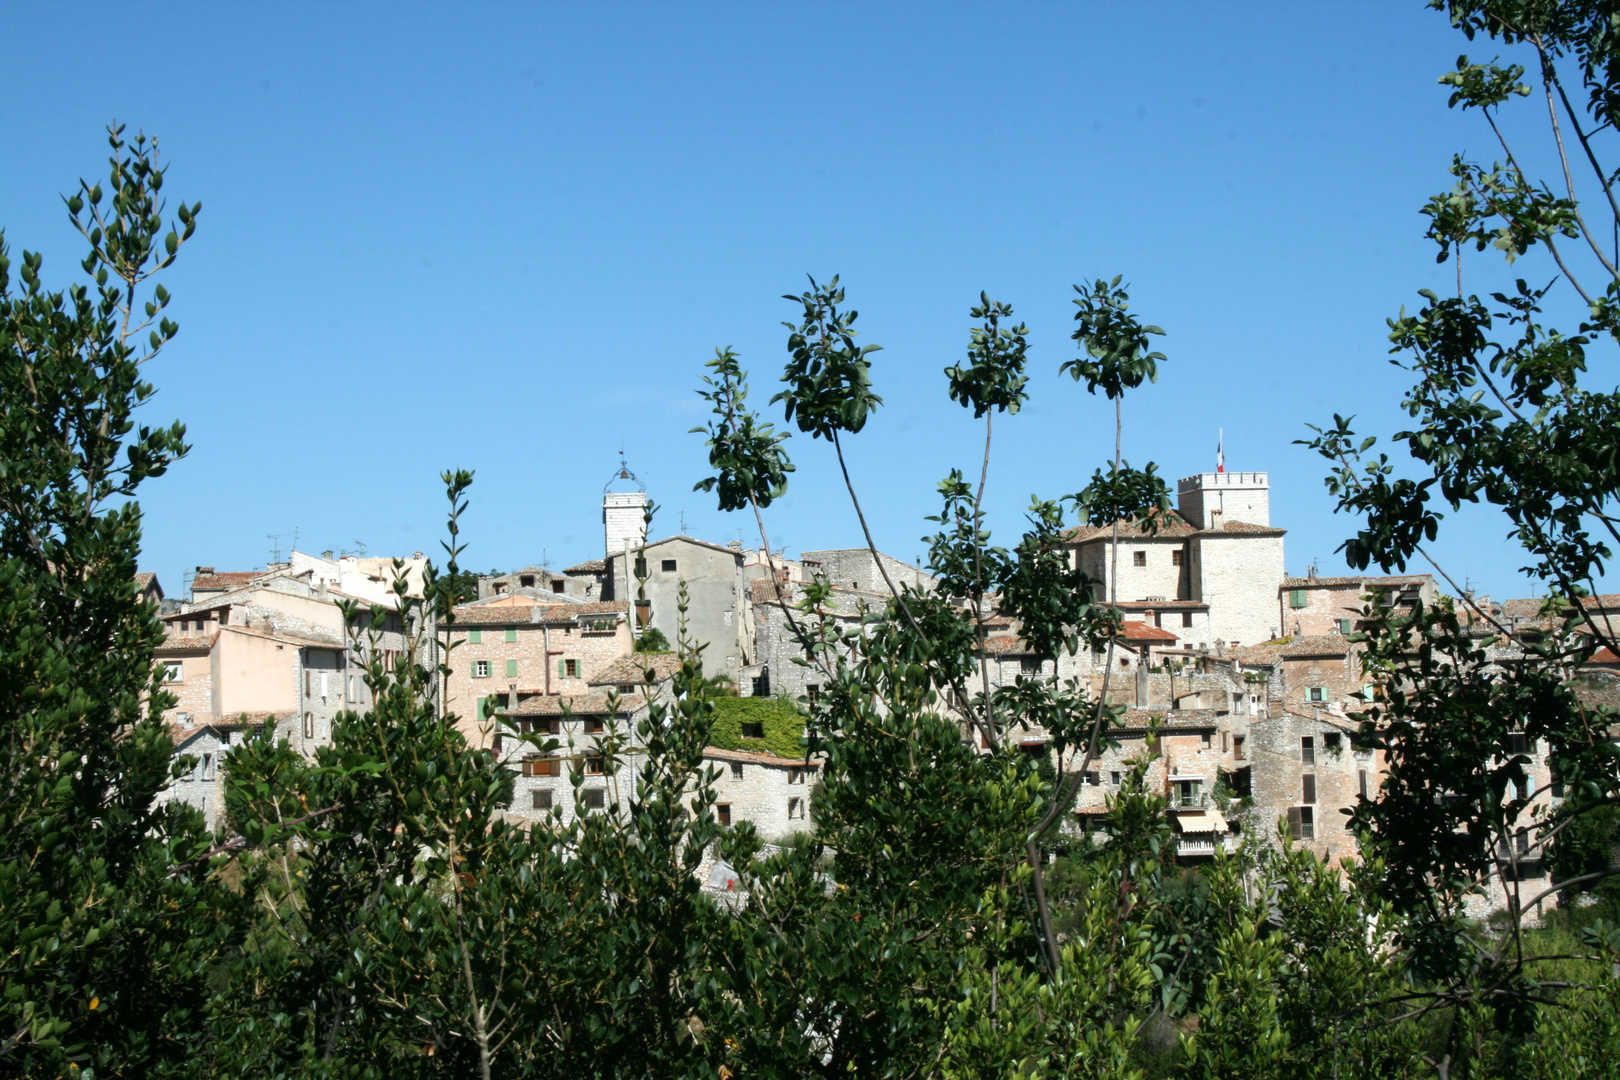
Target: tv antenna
{"x": 275, "y": 545}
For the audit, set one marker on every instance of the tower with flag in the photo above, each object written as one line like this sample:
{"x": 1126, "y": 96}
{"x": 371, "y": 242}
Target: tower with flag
{"x": 1220, "y": 451}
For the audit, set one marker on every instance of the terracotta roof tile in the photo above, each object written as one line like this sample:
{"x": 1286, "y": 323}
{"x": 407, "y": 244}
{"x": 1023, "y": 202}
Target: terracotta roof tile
{"x": 574, "y": 705}
{"x": 231, "y": 579}
{"x": 187, "y": 643}
{"x": 536, "y": 615}
{"x": 632, "y": 670}
{"x": 1243, "y": 528}
{"x": 589, "y": 566}
{"x": 745, "y": 756}
{"x": 1140, "y": 631}
{"x": 1172, "y": 526}
{"x": 1170, "y": 719}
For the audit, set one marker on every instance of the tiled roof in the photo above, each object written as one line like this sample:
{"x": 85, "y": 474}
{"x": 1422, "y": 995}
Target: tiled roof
{"x": 1161, "y": 605}
{"x": 1140, "y": 631}
{"x": 1013, "y": 646}
{"x": 191, "y": 643}
{"x": 1272, "y": 651}
{"x": 1139, "y": 719}
{"x": 1172, "y": 526}
{"x": 1604, "y": 655}
{"x": 745, "y": 757}
{"x": 694, "y": 540}
{"x": 1359, "y": 579}
{"x": 1598, "y": 697}
{"x": 536, "y": 615}
{"x": 232, "y": 579}
{"x": 575, "y": 705}
{"x": 589, "y": 566}
{"x": 632, "y": 670}
{"x": 180, "y": 735}
{"x": 1526, "y": 608}
{"x": 1243, "y": 528}
{"x": 1599, "y": 602}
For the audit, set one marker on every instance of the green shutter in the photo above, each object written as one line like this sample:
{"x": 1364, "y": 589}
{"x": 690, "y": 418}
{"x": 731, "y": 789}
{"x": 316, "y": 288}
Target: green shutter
{"x": 562, "y": 669}
{"x": 511, "y": 633}
{"x": 1296, "y": 598}
{"x": 474, "y": 670}
{"x": 511, "y": 667}
{"x": 475, "y": 637}
{"x": 478, "y": 710}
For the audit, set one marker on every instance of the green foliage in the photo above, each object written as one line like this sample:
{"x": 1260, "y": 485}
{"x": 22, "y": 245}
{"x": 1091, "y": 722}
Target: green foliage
{"x": 652, "y": 640}
{"x": 994, "y": 378}
{"x": 111, "y": 917}
{"x": 745, "y": 451}
{"x": 828, "y": 376}
{"x": 782, "y": 723}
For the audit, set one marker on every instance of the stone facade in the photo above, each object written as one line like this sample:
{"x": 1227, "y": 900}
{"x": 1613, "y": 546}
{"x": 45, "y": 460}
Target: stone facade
{"x": 717, "y": 611}
{"x": 1314, "y": 606}
{"x": 856, "y": 569}
{"x": 1305, "y": 775}
{"x": 777, "y": 647}
{"x": 771, "y": 793}
{"x": 537, "y": 651}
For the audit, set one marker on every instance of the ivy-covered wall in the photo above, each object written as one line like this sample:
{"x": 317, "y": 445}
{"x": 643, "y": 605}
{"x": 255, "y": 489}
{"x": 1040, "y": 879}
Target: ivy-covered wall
{"x": 782, "y": 723}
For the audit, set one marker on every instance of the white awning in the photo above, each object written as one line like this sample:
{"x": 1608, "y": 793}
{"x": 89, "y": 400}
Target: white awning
{"x": 1206, "y": 821}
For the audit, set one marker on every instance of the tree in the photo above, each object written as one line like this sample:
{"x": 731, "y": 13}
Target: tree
{"x": 111, "y": 916}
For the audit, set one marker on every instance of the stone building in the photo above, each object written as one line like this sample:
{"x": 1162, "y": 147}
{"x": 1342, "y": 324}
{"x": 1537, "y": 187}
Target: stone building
{"x": 718, "y": 616}
{"x": 1314, "y": 606}
{"x": 506, "y": 655}
{"x": 857, "y": 570}
{"x": 581, "y": 776}
{"x": 1212, "y": 564}
{"x": 771, "y": 793}
{"x": 1306, "y": 774}
{"x": 777, "y": 647}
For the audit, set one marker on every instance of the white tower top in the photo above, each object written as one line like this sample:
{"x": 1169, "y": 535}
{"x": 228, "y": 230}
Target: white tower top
{"x": 624, "y": 514}
{"x": 1210, "y": 500}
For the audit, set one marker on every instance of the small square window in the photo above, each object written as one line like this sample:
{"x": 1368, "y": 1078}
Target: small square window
{"x": 1175, "y": 557}
{"x": 736, "y": 770}
{"x": 795, "y": 809}
{"x": 1316, "y": 693}
{"x": 595, "y": 798}
{"x": 722, "y": 813}
{"x": 667, "y": 566}
{"x": 1115, "y": 779}
{"x": 594, "y": 766}
{"x": 542, "y": 798}
{"x": 1330, "y": 742}
{"x": 595, "y": 725}
{"x": 812, "y": 693}
{"x": 480, "y": 669}
{"x": 1516, "y": 743}
{"x": 1186, "y": 619}
{"x": 1139, "y": 558}
{"x": 753, "y": 731}
{"x": 525, "y": 581}
{"x": 570, "y": 669}
{"x": 171, "y": 671}
{"x": 796, "y": 775}
{"x": 557, "y": 585}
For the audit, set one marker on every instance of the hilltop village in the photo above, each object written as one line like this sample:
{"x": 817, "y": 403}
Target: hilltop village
{"x": 1239, "y": 680}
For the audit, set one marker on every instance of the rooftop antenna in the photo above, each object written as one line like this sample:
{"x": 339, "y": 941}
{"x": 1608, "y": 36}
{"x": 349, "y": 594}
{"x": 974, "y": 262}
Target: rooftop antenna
{"x": 294, "y": 543}
{"x": 275, "y": 545}
{"x": 545, "y": 562}
{"x": 683, "y": 522}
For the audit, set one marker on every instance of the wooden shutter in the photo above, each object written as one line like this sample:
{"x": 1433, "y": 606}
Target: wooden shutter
{"x": 511, "y": 667}
{"x": 511, "y": 633}
{"x": 1294, "y": 828}
{"x": 1308, "y": 784}
{"x": 475, "y": 637}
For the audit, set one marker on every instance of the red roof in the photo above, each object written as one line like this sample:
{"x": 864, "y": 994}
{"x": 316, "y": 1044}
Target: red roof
{"x": 1131, "y": 630}
{"x": 233, "y": 579}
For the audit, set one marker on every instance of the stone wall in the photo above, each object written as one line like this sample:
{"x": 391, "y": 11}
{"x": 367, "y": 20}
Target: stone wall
{"x": 1237, "y": 576}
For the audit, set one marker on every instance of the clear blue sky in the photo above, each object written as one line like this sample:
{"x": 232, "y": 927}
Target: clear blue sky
{"x": 506, "y": 238}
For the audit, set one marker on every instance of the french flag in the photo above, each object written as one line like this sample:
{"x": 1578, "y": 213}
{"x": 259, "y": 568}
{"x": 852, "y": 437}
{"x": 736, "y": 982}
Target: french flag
{"x": 1220, "y": 452}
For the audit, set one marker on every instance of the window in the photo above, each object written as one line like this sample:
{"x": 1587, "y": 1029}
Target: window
{"x": 1175, "y": 557}
{"x": 1308, "y": 788}
{"x": 1523, "y": 838}
{"x": 1316, "y": 693}
{"x": 1030, "y": 665}
{"x": 1114, "y": 778}
{"x": 542, "y": 766}
{"x": 736, "y": 770}
{"x": 1205, "y": 737}
{"x": 667, "y": 566}
{"x": 1330, "y": 742}
{"x": 1557, "y": 784}
{"x": 475, "y": 637}
{"x": 1516, "y": 742}
{"x": 1521, "y": 788}
{"x": 309, "y": 725}
{"x": 1186, "y": 619}
{"x": 1344, "y": 626}
{"x": 568, "y": 669}
{"x": 525, "y": 581}
{"x": 1361, "y": 782}
{"x": 542, "y": 798}
{"x": 511, "y": 667}
{"x": 1302, "y": 823}
{"x": 1223, "y": 742}
{"x": 1296, "y": 598}
{"x": 812, "y": 693}
{"x": 796, "y": 775}
{"x": 1307, "y": 750}
{"x": 208, "y": 767}
{"x": 1092, "y": 778}
{"x": 1139, "y": 558}
{"x": 557, "y": 585}
{"x": 1188, "y": 793}
{"x": 594, "y": 765}
{"x": 594, "y": 725}
{"x": 595, "y": 798}
{"x": 511, "y": 634}
{"x": 795, "y": 808}
{"x": 722, "y": 813}
{"x": 641, "y": 568}
{"x": 753, "y": 731}
{"x": 480, "y": 669}
{"x": 171, "y": 671}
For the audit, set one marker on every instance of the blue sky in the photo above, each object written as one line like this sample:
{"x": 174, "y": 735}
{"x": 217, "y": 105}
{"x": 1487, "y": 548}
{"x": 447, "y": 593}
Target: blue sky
{"x": 506, "y": 238}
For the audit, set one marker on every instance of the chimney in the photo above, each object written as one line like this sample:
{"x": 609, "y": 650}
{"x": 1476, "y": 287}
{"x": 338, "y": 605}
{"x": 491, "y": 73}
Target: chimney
{"x": 327, "y": 555}
{"x": 1310, "y": 573}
